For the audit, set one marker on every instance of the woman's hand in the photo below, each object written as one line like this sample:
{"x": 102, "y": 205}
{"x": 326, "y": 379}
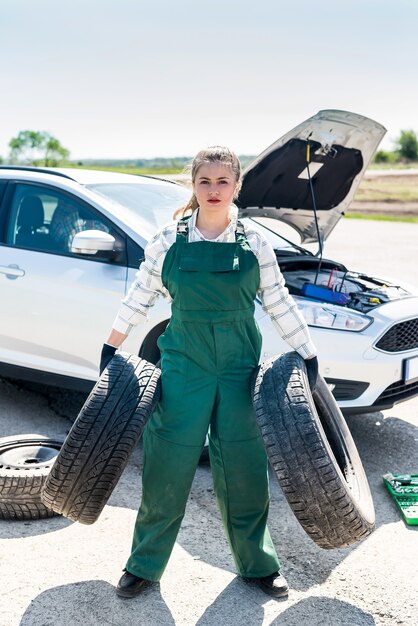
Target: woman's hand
{"x": 114, "y": 341}
{"x": 312, "y": 371}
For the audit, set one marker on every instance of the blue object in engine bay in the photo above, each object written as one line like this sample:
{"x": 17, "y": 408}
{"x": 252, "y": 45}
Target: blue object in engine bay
{"x": 324, "y": 293}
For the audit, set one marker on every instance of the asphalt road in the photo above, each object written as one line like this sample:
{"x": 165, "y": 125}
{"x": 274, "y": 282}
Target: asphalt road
{"x": 58, "y": 572}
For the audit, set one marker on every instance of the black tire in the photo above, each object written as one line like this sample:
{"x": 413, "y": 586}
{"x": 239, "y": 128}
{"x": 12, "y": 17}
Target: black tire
{"x": 25, "y": 463}
{"x": 102, "y": 438}
{"x": 312, "y": 453}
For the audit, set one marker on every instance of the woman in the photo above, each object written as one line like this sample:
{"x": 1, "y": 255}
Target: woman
{"x": 212, "y": 268}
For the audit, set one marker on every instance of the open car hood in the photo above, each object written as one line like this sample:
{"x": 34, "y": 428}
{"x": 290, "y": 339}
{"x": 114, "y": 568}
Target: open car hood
{"x": 276, "y": 183}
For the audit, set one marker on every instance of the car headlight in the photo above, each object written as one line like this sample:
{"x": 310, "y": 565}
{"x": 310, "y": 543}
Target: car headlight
{"x": 331, "y": 316}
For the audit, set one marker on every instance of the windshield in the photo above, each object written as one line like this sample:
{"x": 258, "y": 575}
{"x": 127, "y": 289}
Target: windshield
{"x": 153, "y": 203}
{"x": 281, "y": 236}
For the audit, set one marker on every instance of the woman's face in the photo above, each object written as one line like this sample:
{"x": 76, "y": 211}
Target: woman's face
{"x": 214, "y": 187}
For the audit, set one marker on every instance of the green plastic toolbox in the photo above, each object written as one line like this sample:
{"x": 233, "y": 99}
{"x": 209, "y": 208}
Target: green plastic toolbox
{"x": 404, "y": 490}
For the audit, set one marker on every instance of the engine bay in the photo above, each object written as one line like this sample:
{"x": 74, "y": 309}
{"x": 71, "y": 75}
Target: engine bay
{"x": 339, "y": 285}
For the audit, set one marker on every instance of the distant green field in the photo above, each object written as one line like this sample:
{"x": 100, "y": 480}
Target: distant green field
{"x": 381, "y": 218}
{"x": 388, "y": 189}
{"x": 412, "y": 165}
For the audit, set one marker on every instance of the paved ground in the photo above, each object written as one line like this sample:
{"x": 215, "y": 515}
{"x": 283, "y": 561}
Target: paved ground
{"x": 59, "y": 572}
{"x": 386, "y": 249}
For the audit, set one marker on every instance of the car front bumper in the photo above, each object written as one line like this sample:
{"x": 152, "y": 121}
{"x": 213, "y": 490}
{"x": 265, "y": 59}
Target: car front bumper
{"x": 362, "y": 377}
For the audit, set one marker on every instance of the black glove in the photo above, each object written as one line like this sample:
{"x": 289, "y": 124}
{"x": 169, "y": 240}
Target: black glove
{"x": 312, "y": 371}
{"x": 107, "y": 354}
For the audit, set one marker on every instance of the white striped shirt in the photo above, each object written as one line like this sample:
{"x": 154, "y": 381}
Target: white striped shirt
{"x": 272, "y": 291}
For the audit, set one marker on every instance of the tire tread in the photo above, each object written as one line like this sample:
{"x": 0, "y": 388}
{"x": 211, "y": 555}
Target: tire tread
{"x": 102, "y": 438}
{"x": 301, "y": 459}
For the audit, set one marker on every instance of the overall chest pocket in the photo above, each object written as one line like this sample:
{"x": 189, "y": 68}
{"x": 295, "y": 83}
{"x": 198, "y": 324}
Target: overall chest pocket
{"x": 222, "y": 258}
{"x": 206, "y": 277}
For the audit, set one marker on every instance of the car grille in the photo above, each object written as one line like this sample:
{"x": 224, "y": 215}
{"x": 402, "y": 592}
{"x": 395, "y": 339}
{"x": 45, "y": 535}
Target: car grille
{"x": 397, "y": 392}
{"x": 402, "y": 336}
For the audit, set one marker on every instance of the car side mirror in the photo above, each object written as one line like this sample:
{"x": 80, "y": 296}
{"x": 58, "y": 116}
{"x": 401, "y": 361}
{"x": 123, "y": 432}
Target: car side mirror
{"x": 93, "y": 242}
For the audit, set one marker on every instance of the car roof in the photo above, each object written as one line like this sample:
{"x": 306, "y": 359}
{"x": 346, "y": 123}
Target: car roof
{"x": 82, "y": 176}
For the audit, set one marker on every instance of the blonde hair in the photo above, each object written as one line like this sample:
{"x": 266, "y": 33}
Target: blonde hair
{"x": 213, "y": 154}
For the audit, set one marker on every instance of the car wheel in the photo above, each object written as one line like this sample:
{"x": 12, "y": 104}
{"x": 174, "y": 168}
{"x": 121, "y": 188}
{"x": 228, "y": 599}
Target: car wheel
{"x": 312, "y": 453}
{"x": 25, "y": 463}
{"x": 102, "y": 438}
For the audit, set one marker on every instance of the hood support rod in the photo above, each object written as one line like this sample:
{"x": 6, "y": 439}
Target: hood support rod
{"x": 308, "y": 160}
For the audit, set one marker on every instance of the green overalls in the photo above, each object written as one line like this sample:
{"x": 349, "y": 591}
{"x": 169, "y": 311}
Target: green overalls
{"x": 208, "y": 352}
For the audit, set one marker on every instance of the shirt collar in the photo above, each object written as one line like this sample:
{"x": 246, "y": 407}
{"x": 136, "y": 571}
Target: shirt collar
{"x": 228, "y": 233}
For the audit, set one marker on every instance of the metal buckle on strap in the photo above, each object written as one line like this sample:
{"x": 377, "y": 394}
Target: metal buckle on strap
{"x": 182, "y": 228}
{"x": 240, "y": 229}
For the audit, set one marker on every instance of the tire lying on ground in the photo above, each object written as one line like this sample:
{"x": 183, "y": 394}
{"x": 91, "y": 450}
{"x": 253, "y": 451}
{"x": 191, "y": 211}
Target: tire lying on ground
{"x": 25, "y": 463}
{"x": 102, "y": 438}
{"x": 312, "y": 453}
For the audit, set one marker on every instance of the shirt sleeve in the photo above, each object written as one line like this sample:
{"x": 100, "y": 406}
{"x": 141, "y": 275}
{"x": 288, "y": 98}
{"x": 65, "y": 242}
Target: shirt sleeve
{"x": 277, "y": 301}
{"x": 147, "y": 285}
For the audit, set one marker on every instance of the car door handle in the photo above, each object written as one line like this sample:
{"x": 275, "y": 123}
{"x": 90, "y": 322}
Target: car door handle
{"x": 12, "y": 271}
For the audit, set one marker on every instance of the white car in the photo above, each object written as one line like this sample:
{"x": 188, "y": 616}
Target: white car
{"x": 71, "y": 241}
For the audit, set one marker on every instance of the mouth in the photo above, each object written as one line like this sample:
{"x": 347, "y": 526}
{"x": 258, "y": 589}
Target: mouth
{"x": 213, "y": 201}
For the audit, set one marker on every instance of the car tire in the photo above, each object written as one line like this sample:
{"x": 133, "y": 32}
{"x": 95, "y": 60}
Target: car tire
{"x": 25, "y": 463}
{"x": 312, "y": 453}
{"x": 102, "y": 438}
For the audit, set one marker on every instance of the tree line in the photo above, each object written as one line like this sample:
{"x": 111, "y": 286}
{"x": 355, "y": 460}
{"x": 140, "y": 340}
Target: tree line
{"x": 40, "y": 148}
{"x": 406, "y": 149}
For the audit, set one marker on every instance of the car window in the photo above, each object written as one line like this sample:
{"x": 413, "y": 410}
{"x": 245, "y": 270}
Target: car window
{"x": 45, "y": 219}
{"x": 3, "y": 184}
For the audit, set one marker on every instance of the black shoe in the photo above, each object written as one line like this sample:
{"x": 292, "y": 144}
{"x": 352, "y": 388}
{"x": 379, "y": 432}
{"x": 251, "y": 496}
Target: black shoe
{"x": 273, "y": 585}
{"x": 130, "y": 585}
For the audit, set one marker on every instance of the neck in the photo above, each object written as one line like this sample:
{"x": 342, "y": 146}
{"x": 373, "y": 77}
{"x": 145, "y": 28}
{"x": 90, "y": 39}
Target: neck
{"x": 211, "y": 225}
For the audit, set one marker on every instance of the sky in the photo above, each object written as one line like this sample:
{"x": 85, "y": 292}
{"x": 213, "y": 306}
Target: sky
{"x": 133, "y": 79}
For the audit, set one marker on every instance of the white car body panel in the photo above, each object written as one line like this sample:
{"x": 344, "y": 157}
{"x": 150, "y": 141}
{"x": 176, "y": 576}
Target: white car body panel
{"x": 42, "y": 310}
